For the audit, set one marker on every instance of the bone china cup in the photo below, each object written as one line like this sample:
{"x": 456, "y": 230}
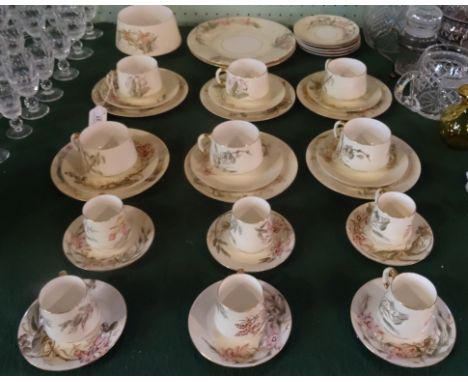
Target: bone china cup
{"x": 407, "y": 308}
{"x": 245, "y": 78}
{"x": 137, "y": 77}
{"x": 250, "y": 228}
{"x": 364, "y": 143}
{"x": 240, "y": 302}
{"x": 147, "y": 29}
{"x": 392, "y": 219}
{"x": 234, "y": 147}
{"x": 104, "y": 223}
{"x": 106, "y": 148}
{"x": 345, "y": 78}
{"x": 67, "y": 310}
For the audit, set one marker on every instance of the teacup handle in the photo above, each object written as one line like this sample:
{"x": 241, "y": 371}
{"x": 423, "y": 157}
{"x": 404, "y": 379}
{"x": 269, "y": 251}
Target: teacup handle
{"x": 388, "y": 276}
{"x": 339, "y": 136}
{"x": 219, "y": 73}
{"x": 75, "y": 141}
{"x": 203, "y": 142}
{"x": 378, "y": 192}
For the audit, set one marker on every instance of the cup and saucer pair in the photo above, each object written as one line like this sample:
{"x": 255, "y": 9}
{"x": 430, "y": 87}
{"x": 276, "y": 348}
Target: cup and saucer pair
{"x": 246, "y": 91}
{"x": 223, "y": 168}
{"x": 240, "y": 322}
{"x": 80, "y": 333}
{"x": 129, "y": 162}
{"x": 251, "y": 237}
{"x": 398, "y": 327}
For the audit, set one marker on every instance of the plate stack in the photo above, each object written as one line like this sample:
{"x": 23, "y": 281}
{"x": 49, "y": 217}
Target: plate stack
{"x": 327, "y": 35}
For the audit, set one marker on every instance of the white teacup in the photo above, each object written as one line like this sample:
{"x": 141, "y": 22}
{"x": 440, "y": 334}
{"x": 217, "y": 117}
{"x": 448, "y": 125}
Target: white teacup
{"x": 104, "y": 223}
{"x": 138, "y": 77}
{"x": 245, "y": 78}
{"x": 364, "y": 143}
{"x": 147, "y": 29}
{"x": 106, "y": 148}
{"x": 239, "y": 315}
{"x": 251, "y": 230}
{"x": 391, "y": 222}
{"x": 234, "y": 146}
{"x": 407, "y": 308}
{"x": 68, "y": 312}
{"x": 345, "y": 78}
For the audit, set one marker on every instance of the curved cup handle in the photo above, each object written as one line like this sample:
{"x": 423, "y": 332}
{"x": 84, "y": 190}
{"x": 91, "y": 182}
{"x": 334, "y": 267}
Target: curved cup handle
{"x": 75, "y": 141}
{"x": 388, "y": 276}
{"x": 338, "y": 135}
{"x": 203, "y": 142}
{"x": 378, "y": 192}
{"x": 220, "y": 72}
{"x": 406, "y": 100}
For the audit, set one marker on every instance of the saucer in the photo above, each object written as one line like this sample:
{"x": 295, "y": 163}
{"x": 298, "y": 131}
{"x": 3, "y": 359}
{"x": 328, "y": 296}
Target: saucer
{"x": 407, "y": 181}
{"x": 329, "y": 161}
{"x": 212, "y": 98}
{"x": 383, "y": 344}
{"x": 329, "y": 52}
{"x": 205, "y": 336}
{"x": 66, "y": 170}
{"x": 46, "y": 354}
{"x": 267, "y": 172}
{"x": 81, "y": 255}
{"x": 418, "y": 248}
{"x": 276, "y": 187}
{"x": 225, "y": 252}
{"x": 177, "y": 86}
{"x": 310, "y": 95}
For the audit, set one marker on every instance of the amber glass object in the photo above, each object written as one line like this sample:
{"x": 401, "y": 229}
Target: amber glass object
{"x": 454, "y": 122}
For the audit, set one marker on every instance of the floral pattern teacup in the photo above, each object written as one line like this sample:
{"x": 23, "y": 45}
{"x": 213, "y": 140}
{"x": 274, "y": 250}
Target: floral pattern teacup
{"x": 407, "y": 308}
{"x": 364, "y": 143}
{"x": 234, "y": 147}
{"x": 105, "y": 224}
{"x": 67, "y": 310}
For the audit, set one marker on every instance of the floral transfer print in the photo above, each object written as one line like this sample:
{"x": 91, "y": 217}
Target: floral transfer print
{"x": 226, "y": 158}
{"x": 350, "y": 152}
{"x": 121, "y": 229}
{"x": 379, "y": 223}
{"x": 137, "y": 86}
{"x": 237, "y": 87}
{"x": 142, "y": 41}
{"x": 249, "y": 326}
{"x": 210, "y": 26}
{"x": 285, "y": 41}
{"x": 79, "y": 321}
{"x": 390, "y": 315}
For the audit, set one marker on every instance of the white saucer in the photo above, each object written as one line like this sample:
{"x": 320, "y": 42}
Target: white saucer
{"x": 419, "y": 247}
{"x": 225, "y": 252}
{"x": 330, "y": 163}
{"x": 136, "y": 245}
{"x": 204, "y": 335}
{"x": 383, "y": 344}
{"x": 44, "y": 353}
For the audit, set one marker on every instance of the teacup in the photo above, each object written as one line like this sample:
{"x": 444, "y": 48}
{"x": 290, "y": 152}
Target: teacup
{"x": 239, "y": 315}
{"x": 67, "y": 310}
{"x": 345, "y": 78}
{"x": 106, "y": 148}
{"x": 138, "y": 77}
{"x": 147, "y": 29}
{"x": 407, "y": 308}
{"x": 105, "y": 223}
{"x": 392, "y": 217}
{"x": 245, "y": 78}
{"x": 234, "y": 146}
{"x": 364, "y": 143}
{"x": 251, "y": 230}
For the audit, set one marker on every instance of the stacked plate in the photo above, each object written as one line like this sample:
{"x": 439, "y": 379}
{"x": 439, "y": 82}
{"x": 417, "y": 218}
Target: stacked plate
{"x": 327, "y": 35}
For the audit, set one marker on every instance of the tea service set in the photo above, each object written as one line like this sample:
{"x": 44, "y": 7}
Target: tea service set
{"x": 240, "y": 321}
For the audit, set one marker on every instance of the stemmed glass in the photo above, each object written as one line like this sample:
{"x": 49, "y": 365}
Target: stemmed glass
{"x": 13, "y": 36}
{"x": 33, "y": 19}
{"x": 10, "y": 106}
{"x": 24, "y": 79}
{"x": 71, "y": 19}
{"x": 91, "y": 32}
{"x": 60, "y": 45}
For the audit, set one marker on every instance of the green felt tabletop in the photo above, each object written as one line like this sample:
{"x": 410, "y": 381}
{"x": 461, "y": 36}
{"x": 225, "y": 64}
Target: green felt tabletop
{"x": 318, "y": 280}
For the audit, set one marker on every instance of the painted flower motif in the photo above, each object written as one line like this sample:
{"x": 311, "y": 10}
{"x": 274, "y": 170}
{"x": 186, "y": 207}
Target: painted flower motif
{"x": 237, "y": 354}
{"x": 79, "y": 321}
{"x": 143, "y": 41}
{"x": 98, "y": 347}
{"x": 137, "y": 86}
{"x": 144, "y": 150}
{"x": 350, "y": 152}
{"x": 250, "y": 325}
{"x": 271, "y": 339}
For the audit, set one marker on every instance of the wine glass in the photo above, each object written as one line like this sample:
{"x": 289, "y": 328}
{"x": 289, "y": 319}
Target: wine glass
{"x": 91, "y": 32}
{"x": 10, "y": 106}
{"x": 60, "y": 45}
{"x": 13, "y": 36}
{"x": 43, "y": 58}
{"x": 71, "y": 20}
{"x": 24, "y": 79}
{"x": 33, "y": 19}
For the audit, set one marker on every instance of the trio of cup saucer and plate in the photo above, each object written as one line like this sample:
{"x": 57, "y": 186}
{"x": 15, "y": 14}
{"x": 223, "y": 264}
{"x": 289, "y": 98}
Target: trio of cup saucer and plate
{"x": 238, "y": 95}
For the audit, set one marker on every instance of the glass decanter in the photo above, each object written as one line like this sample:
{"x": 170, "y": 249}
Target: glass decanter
{"x": 454, "y": 122}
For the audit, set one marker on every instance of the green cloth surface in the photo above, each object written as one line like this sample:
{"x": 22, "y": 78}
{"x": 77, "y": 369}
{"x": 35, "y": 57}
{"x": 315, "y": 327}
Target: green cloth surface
{"x": 318, "y": 280}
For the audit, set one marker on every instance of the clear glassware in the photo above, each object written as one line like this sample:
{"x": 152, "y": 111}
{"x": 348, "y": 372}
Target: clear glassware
{"x": 92, "y": 33}
{"x": 49, "y": 12}
{"x": 24, "y": 79}
{"x": 10, "y": 106}
{"x": 441, "y": 70}
{"x": 3, "y": 16}
{"x": 13, "y": 37}
{"x": 71, "y": 20}
{"x": 43, "y": 58}
{"x": 33, "y": 19}
{"x": 60, "y": 45}
{"x": 454, "y": 29}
